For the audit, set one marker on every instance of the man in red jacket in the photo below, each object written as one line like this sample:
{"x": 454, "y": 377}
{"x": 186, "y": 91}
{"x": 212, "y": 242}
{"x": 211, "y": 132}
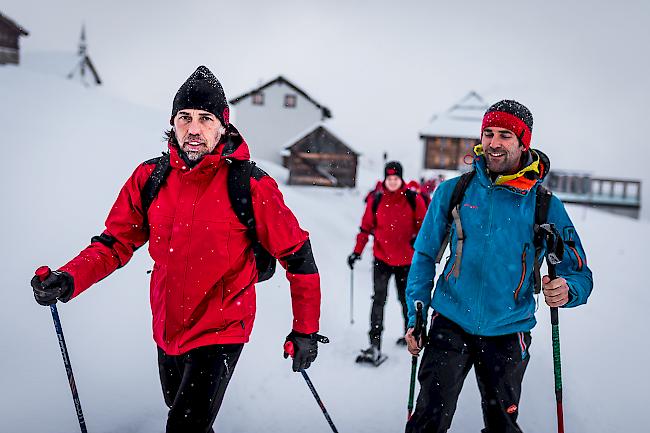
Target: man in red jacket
{"x": 393, "y": 216}
{"x": 203, "y": 279}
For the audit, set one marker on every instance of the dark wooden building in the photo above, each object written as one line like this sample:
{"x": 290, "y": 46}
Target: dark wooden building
{"x": 453, "y": 134}
{"x": 10, "y": 32}
{"x": 318, "y": 157}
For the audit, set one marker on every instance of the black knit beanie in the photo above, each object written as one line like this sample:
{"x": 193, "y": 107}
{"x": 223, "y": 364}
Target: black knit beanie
{"x": 393, "y": 168}
{"x": 202, "y": 91}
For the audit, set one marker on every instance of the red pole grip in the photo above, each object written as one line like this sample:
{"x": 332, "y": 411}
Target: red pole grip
{"x": 43, "y": 272}
{"x": 288, "y": 348}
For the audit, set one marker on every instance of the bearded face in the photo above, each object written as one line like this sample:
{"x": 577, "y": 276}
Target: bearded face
{"x": 197, "y": 132}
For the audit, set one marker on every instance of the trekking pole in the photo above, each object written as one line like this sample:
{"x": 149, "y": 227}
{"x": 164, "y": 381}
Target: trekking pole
{"x": 417, "y": 331}
{"x": 42, "y": 273}
{"x": 352, "y": 296}
{"x": 288, "y": 347}
{"x": 554, "y": 253}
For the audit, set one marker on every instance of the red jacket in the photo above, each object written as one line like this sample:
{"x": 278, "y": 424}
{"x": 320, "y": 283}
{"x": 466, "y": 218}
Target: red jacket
{"x": 394, "y": 227}
{"x": 202, "y": 285}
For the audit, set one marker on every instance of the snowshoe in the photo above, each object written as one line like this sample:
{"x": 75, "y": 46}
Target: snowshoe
{"x": 371, "y": 355}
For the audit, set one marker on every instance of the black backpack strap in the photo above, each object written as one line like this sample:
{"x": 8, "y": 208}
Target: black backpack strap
{"x": 411, "y": 196}
{"x": 542, "y": 204}
{"x": 453, "y": 216}
{"x": 154, "y": 182}
{"x": 239, "y": 193}
{"x": 377, "y": 195}
{"x": 459, "y": 192}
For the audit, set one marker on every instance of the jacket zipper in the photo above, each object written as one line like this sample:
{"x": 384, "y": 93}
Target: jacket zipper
{"x": 487, "y": 241}
{"x": 450, "y": 271}
{"x": 523, "y": 271}
{"x": 571, "y": 244}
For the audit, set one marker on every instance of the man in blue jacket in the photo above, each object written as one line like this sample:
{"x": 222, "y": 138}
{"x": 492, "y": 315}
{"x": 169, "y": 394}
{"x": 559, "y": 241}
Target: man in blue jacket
{"x": 483, "y": 304}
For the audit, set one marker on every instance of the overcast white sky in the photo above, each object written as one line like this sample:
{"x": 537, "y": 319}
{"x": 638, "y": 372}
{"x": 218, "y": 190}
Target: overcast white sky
{"x": 385, "y": 67}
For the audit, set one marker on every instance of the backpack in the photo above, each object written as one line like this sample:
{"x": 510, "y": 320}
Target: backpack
{"x": 239, "y": 192}
{"x": 542, "y": 202}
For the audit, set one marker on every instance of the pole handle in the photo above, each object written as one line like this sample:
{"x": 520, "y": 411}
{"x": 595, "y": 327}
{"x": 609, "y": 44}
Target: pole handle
{"x": 43, "y": 272}
{"x": 419, "y": 320}
{"x": 289, "y": 349}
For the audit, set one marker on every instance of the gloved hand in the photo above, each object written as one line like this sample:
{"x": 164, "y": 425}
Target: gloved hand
{"x": 58, "y": 285}
{"x": 353, "y": 258}
{"x": 303, "y": 348}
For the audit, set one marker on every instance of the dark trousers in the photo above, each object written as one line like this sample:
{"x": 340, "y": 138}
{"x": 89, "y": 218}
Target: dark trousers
{"x": 381, "y": 274}
{"x": 194, "y": 384}
{"x": 499, "y": 364}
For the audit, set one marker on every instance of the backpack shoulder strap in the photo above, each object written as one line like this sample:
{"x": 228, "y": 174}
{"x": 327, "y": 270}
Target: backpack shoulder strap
{"x": 542, "y": 201}
{"x": 542, "y": 204}
{"x": 459, "y": 192}
{"x": 155, "y": 181}
{"x": 239, "y": 192}
{"x": 411, "y": 196}
{"x": 377, "y": 195}
{"x": 453, "y": 217}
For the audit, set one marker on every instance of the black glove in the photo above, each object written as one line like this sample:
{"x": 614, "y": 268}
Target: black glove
{"x": 353, "y": 258}
{"x": 58, "y": 285}
{"x": 303, "y": 348}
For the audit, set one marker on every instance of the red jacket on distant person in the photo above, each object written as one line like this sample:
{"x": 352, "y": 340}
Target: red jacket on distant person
{"x": 394, "y": 227}
{"x": 202, "y": 285}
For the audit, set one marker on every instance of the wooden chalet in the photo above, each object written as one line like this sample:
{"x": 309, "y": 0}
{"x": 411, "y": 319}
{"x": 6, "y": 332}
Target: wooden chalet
{"x": 318, "y": 157}
{"x": 272, "y": 114}
{"x": 10, "y": 32}
{"x": 451, "y": 135}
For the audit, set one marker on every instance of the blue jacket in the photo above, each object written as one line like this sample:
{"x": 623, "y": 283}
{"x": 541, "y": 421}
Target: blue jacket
{"x": 494, "y": 292}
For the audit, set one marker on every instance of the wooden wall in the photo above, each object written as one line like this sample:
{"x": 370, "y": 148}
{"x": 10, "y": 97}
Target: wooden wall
{"x": 324, "y": 169}
{"x": 447, "y": 152}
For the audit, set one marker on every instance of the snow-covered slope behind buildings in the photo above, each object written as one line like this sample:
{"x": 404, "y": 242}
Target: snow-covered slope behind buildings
{"x": 68, "y": 149}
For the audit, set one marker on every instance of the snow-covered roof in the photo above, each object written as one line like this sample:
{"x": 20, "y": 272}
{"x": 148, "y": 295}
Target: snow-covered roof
{"x": 320, "y": 124}
{"x": 463, "y": 120}
{"x": 13, "y": 25}
{"x": 282, "y": 80}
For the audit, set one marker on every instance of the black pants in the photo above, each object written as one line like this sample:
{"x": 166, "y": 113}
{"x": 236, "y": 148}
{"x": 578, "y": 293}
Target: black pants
{"x": 499, "y": 364}
{"x": 381, "y": 274}
{"x": 194, "y": 384}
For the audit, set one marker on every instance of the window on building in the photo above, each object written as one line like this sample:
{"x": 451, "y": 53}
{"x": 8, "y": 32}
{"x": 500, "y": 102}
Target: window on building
{"x": 258, "y": 98}
{"x": 290, "y": 101}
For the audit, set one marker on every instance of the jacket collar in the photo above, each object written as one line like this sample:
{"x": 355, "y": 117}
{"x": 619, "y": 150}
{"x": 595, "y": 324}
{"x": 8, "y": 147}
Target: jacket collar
{"x": 524, "y": 180}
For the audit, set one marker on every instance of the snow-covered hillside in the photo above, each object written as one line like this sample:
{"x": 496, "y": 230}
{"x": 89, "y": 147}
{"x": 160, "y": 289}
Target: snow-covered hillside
{"x": 67, "y": 151}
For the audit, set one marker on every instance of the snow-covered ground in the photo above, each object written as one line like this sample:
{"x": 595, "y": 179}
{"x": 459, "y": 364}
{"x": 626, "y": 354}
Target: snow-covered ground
{"x": 67, "y": 151}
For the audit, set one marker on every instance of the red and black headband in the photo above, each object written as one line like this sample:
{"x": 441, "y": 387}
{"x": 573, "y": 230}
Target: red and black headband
{"x": 512, "y": 116}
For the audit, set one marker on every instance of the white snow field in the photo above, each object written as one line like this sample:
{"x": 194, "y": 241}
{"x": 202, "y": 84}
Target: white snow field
{"x": 67, "y": 150}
